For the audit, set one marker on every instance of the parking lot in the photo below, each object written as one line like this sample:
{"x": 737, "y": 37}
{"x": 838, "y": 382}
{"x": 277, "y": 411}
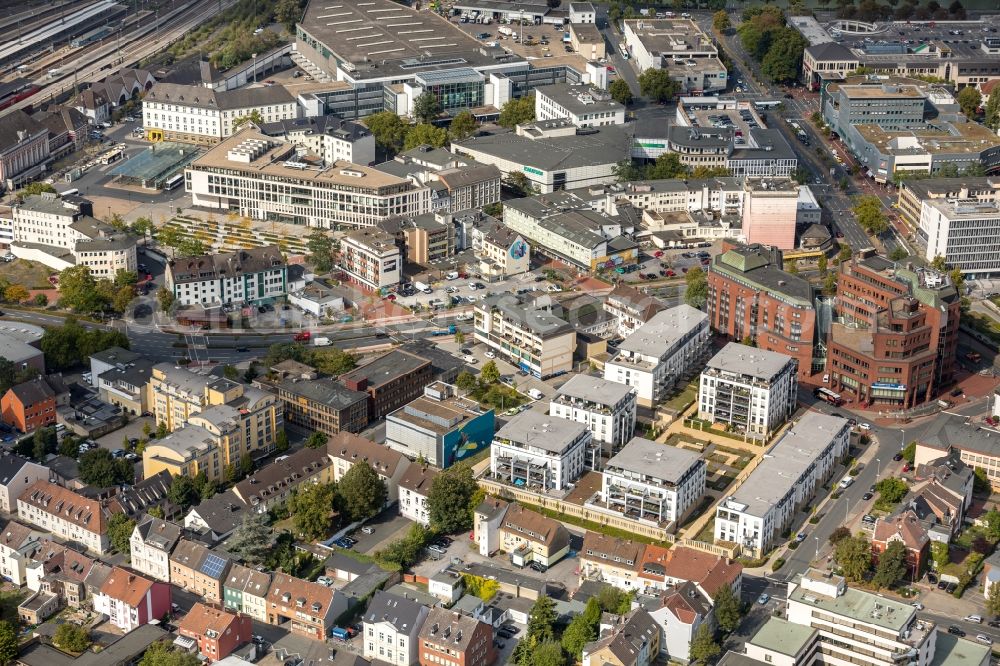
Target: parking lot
{"x": 388, "y": 526}
{"x": 461, "y": 293}
{"x": 739, "y": 121}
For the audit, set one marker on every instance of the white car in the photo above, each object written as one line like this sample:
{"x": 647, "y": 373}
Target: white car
{"x": 917, "y": 605}
{"x": 453, "y": 275}
{"x": 865, "y": 426}
{"x": 490, "y": 354}
{"x": 472, "y": 286}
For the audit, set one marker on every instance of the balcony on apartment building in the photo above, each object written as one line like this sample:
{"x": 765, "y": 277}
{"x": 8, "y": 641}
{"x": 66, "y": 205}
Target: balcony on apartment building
{"x": 523, "y": 472}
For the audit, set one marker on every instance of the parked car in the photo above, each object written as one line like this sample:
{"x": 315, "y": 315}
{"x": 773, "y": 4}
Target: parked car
{"x": 956, "y": 631}
{"x": 867, "y": 496}
{"x": 763, "y": 599}
{"x": 975, "y": 619}
{"x": 367, "y": 529}
{"x": 983, "y": 638}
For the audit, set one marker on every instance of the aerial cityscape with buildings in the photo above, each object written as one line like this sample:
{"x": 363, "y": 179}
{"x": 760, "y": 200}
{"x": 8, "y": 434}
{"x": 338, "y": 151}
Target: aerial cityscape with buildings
{"x": 485, "y": 332}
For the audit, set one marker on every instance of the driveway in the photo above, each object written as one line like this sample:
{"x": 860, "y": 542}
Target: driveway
{"x": 388, "y": 525}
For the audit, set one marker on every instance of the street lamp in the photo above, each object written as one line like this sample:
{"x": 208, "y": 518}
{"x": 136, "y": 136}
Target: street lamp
{"x": 847, "y": 509}
{"x": 878, "y": 468}
{"x": 902, "y": 439}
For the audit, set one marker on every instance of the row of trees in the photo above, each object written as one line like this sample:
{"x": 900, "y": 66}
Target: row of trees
{"x": 81, "y": 291}
{"x": 853, "y": 555}
{"x": 394, "y": 134}
{"x": 871, "y": 10}
{"x": 69, "y": 345}
{"x": 775, "y": 45}
{"x": 332, "y": 361}
{"x": 666, "y": 166}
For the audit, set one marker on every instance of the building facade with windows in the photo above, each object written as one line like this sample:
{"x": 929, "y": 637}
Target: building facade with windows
{"x": 607, "y": 408}
{"x": 391, "y": 626}
{"x": 583, "y": 105}
{"x": 66, "y": 514}
{"x": 527, "y": 334}
{"x": 534, "y": 450}
{"x": 244, "y": 277}
{"x": 449, "y": 638}
{"x": 680, "y": 47}
{"x": 371, "y": 259}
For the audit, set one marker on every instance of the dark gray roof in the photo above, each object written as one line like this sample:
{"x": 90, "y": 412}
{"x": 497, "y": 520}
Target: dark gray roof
{"x": 957, "y": 431}
{"x": 13, "y": 123}
{"x": 140, "y": 497}
{"x": 386, "y": 368}
{"x": 116, "y": 356}
{"x": 832, "y": 51}
{"x": 771, "y": 146}
{"x": 324, "y": 391}
{"x": 159, "y": 534}
{"x": 346, "y": 130}
{"x": 39, "y": 389}
{"x": 208, "y": 98}
{"x": 222, "y": 512}
{"x": 754, "y": 265}
{"x": 402, "y": 613}
{"x": 538, "y": 320}
{"x": 229, "y": 264}
{"x": 342, "y": 562}
{"x": 10, "y": 465}
{"x": 126, "y": 650}
{"x": 603, "y": 146}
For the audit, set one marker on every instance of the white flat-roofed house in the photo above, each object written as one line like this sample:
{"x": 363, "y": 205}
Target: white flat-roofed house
{"x": 680, "y": 47}
{"x": 660, "y": 352}
{"x": 652, "y": 482}
{"x": 607, "y": 408}
{"x": 765, "y": 503}
{"x": 582, "y": 104}
{"x": 753, "y": 390}
{"x": 371, "y": 258}
{"x": 582, "y": 12}
{"x": 538, "y": 451}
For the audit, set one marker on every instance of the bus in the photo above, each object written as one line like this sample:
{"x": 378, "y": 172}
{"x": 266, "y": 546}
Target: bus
{"x": 621, "y": 47}
{"x": 173, "y": 182}
{"x": 829, "y": 396}
{"x": 764, "y": 105}
{"x": 112, "y": 155}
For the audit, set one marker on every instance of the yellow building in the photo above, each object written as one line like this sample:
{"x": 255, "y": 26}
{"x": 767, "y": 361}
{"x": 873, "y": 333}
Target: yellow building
{"x": 178, "y": 394}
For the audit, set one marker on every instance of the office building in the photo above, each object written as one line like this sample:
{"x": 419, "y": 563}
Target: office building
{"x": 965, "y": 232}
{"x": 652, "y": 482}
{"x": 660, "y": 352}
{"x": 526, "y": 333}
{"x": 751, "y": 297}
{"x": 680, "y": 47}
{"x": 537, "y": 451}
{"x": 439, "y": 427}
{"x": 244, "y": 277}
{"x": 323, "y": 405}
{"x": 391, "y": 381}
{"x": 752, "y": 390}
{"x": 251, "y": 174}
{"x": 607, "y": 408}
{"x": 583, "y": 105}
{"x": 371, "y": 259}
{"x": 913, "y": 193}
{"x": 764, "y": 505}
{"x": 333, "y": 139}
{"x": 896, "y": 335}
{"x": 587, "y": 40}
{"x": 205, "y": 116}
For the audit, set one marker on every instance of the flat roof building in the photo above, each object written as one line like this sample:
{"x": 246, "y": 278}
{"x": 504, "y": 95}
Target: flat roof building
{"x": 534, "y": 450}
{"x": 680, "y": 47}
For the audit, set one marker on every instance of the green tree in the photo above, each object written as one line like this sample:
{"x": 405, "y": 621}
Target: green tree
{"x": 991, "y": 524}
{"x": 627, "y": 170}
{"x": 100, "y": 469}
{"x": 891, "y": 565}
{"x": 727, "y": 609}
{"x": 12, "y": 375}
{"x": 449, "y": 501}
{"x": 898, "y": 254}
{"x": 312, "y": 510}
{"x": 36, "y": 188}
{"x": 548, "y": 653}
{"x": 281, "y": 442}
{"x": 9, "y": 643}
{"x": 125, "y": 278}
{"x": 657, "y": 85}
{"x": 123, "y": 299}
{"x": 704, "y": 647}
{"x": 165, "y": 297}
{"x": 620, "y": 92}
{"x": 143, "y": 226}
{"x": 542, "y": 619}
{"x": 696, "y": 294}
{"x": 253, "y": 117}
{"x": 317, "y": 440}
{"x": 868, "y": 212}
{"x": 16, "y": 293}
{"x": 466, "y": 381}
{"x": 320, "y": 246}
{"x": 939, "y": 554}
{"x": 230, "y": 372}
{"x": 191, "y": 247}
{"x": 41, "y": 300}
{"x": 992, "y": 119}
{"x": 909, "y": 452}
{"x": 426, "y": 107}
{"x": 463, "y": 125}
{"x": 288, "y": 13}
{"x": 490, "y": 374}
{"x": 361, "y": 492}
{"x": 519, "y": 184}
{"x": 69, "y": 446}
{"x": 388, "y": 129}
{"x": 44, "y": 443}
{"x": 614, "y": 600}
{"x": 720, "y": 20}
{"x": 667, "y": 165}
{"x": 334, "y": 361}
{"x": 892, "y": 489}
{"x": 783, "y": 60}
{"x": 71, "y": 637}
{"x": 993, "y": 600}
{"x": 425, "y": 134}
{"x": 182, "y": 492}
{"x": 120, "y": 529}
{"x": 580, "y": 631}
{"x": 164, "y": 654}
{"x": 517, "y": 111}
{"x": 838, "y": 535}
{"x": 252, "y": 539}
{"x": 969, "y": 100}
{"x": 78, "y": 290}
{"x": 854, "y": 556}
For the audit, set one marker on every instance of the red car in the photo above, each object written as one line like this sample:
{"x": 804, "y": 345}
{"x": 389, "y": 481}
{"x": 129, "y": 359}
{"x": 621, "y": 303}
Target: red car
{"x": 304, "y": 336}
{"x": 671, "y": 274}
{"x": 658, "y": 254}
{"x": 390, "y": 297}
{"x": 907, "y": 467}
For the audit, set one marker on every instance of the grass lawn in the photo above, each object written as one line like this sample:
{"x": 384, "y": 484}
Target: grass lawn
{"x": 30, "y": 274}
{"x": 707, "y": 534}
{"x": 684, "y": 399}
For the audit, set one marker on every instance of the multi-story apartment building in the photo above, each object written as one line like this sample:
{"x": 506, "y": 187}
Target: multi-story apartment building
{"x": 501, "y": 251}
{"x": 414, "y": 489}
{"x": 245, "y": 591}
{"x": 309, "y": 609}
{"x": 680, "y": 47}
{"x": 965, "y": 232}
{"x": 130, "y": 600}
{"x": 32, "y": 404}
{"x": 611, "y": 560}
{"x": 528, "y": 334}
{"x": 653, "y": 483}
{"x": 534, "y": 450}
{"x": 18, "y": 543}
{"x": 333, "y": 139}
{"x": 391, "y": 626}
{"x": 584, "y": 105}
{"x": 126, "y": 385}
{"x": 660, "y": 352}
{"x": 896, "y": 335}
{"x": 371, "y": 258}
{"x": 427, "y": 238}
{"x": 253, "y": 174}
{"x": 150, "y": 546}
{"x": 753, "y": 390}
{"x": 277, "y": 481}
{"x": 390, "y": 381}
{"x": 528, "y": 536}
{"x": 60, "y": 234}
{"x": 765, "y": 503}
{"x": 449, "y": 638}
{"x": 914, "y": 192}
{"x": 323, "y": 405}
{"x": 216, "y": 632}
{"x": 346, "y": 450}
{"x": 607, "y": 408}
{"x": 66, "y": 514}
{"x": 631, "y": 308}
{"x": 251, "y": 276}
{"x": 751, "y": 297}
{"x": 975, "y": 444}
{"x": 16, "y": 474}
{"x": 440, "y": 427}
{"x": 203, "y": 115}
{"x": 632, "y": 639}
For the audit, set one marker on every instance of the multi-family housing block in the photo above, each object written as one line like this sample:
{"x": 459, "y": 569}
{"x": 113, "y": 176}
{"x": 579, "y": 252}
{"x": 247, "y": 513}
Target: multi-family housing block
{"x": 244, "y": 277}
{"x": 537, "y": 451}
{"x": 528, "y": 334}
{"x": 607, "y": 408}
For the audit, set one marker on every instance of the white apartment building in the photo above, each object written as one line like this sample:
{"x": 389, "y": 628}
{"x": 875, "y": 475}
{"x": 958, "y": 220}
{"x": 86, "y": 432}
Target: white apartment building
{"x": 966, "y": 232}
{"x": 526, "y": 334}
{"x": 607, "y": 409}
{"x": 17, "y": 544}
{"x": 256, "y": 275}
{"x": 763, "y": 506}
{"x": 584, "y": 105}
{"x": 333, "y": 139}
{"x": 66, "y": 515}
{"x": 631, "y": 308}
{"x": 196, "y": 114}
{"x": 390, "y": 625}
{"x": 660, "y": 352}
{"x": 537, "y": 451}
{"x": 263, "y": 178}
{"x": 652, "y": 482}
{"x": 16, "y": 474}
{"x": 582, "y": 12}
{"x": 501, "y": 251}
{"x": 150, "y": 546}
{"x": 56, "y": 233}
{"x": 752, "y": 389}
{"x": 371, "y": 258}
{"x": 680, "y": 47}
{"x": 414, "y": 487}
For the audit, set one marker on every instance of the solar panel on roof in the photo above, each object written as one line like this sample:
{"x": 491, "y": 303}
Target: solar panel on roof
{"x": 213, "y": 566}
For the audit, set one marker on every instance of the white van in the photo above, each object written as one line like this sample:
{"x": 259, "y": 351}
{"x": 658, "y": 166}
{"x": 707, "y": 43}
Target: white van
{"x": 536, "y": 394}
{"x": 321, "y": 342}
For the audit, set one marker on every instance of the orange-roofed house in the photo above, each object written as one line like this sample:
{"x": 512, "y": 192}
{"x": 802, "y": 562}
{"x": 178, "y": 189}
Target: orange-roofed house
{"x": 906, "y": 528}
{"x": 217, "y": 632}
{"x": 662, "y": 568}
{"x": 66, "y": 514}
{"x": 130, "y": 600}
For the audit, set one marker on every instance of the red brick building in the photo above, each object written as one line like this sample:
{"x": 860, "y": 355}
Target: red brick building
{"x": 895, "y": 340}
{"x": 217, "y": 632}
{"x": 448, "y": 638}
{"x": 751, "y": 296}
{"x": 32, "y": 404}
{"x": 390, "y": 381}
{"x": 904, "y": 527}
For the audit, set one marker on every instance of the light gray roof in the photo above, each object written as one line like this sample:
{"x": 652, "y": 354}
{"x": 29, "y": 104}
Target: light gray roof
{"x": 542, "y": 431}
{"x": 16, "y": 351}
{"x": 653, "y": 459}
{"x": 750, "y": 361}
{"x": 595, "y": 389}
{"x": 47, "y": 203}
{"x": 607, "y": 145}
{"x": 538, "y": 320}
{"x": 956, "y": 431}
{"x": 659, "y": 335}
{"x": 580, "y": 98}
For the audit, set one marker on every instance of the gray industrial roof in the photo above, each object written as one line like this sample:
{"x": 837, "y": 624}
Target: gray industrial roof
{"x": 542, "y": 431}
{"x": 16, "y": 351}
{"x": 324, "y": 391}
{"x": 580, "y": 98}
{"x": 607, "y": 145}
{"x": 539, "y": 321}
{"x": 956, "y": 431}
{"x": 596, "y": 389}
{"x": 758, "y": 363}
{"x": 659, "y": 335}
{"x": 653, "y": 459}
{"x": 753, "y": 264}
